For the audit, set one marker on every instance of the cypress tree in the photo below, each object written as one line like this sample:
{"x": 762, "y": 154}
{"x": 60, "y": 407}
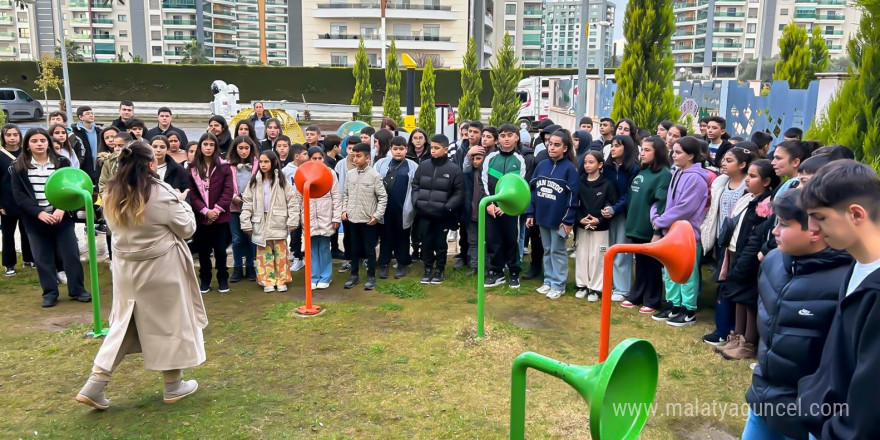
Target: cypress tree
{"x": 471, "y": 85}
{"x": 505, "y": 76}
{"x": 794, "y": 58}
{"x": 819, "y": 56}
{"x": 852, "y": 118}
{"x": 391, "y": 103}
{"x": 644, "y": 78}
{"x": 426, "y": 107}
{"x": 363, "y": 92}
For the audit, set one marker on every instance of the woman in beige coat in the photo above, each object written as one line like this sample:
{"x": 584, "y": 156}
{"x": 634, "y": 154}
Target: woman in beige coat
{"x": 268, "y": 214}
{"x": 157, "y": 308}
{"x": 325, "y": 213}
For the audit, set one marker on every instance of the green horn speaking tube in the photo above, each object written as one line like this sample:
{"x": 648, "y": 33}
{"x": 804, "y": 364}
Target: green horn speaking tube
{"x": 70, "y": 189}
{"x": 618, "y": 391}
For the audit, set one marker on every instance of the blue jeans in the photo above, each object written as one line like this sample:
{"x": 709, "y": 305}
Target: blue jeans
{"x": 555, "y": 259}
{"x": 623, "y": 262}
{"x": 757, "y": 429}
{"x": 523, "y": 231}
{"x": 322, "y": 263}
{"x": 242, "y": 247}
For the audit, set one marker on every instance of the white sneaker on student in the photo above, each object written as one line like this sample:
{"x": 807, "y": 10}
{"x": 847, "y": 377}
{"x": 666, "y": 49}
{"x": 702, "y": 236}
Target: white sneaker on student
{"x": 593, "y": 297}
{"x": 314, "y": 286}
{"x": 62, "y": 277}
{"x": 554, "y": 294}
{"x": 297, "y": 264}
{"x": 617, "y": 297}
{"x": 543, "y": 289}
{"x": 581, "y": 293}
{"x": 323, "y": 285}
{"x": 452, "y": 236}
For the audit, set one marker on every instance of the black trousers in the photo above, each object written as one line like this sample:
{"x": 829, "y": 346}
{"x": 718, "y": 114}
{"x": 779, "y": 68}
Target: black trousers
{"x": 537, "y": 248}
{"x": 395, "y": 240}
{"x": 415, "y": 235}
{"x": 296, "y": 240}
{"x": 213, "y": 237}
{"x": 502, "y": 243}
{"x": 647, "y": 289}
{"x": 8, "y": 224}
{"x": 463, "y": 244}
{"x": 45, "y": 241}
{"x": 347, "y": 235}
{"x": 433, "y": 234}
{"x": 334, "y": 242}
{"x": 363, "y": 246}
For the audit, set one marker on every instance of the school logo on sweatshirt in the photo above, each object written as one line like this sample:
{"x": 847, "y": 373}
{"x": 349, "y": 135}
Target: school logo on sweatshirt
{"x": 548, "y": 189}
{"x": 636, "y": 183}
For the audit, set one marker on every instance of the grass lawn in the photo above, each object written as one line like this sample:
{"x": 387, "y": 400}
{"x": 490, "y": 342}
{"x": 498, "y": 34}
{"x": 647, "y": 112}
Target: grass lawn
{"x": 397, "y": 363}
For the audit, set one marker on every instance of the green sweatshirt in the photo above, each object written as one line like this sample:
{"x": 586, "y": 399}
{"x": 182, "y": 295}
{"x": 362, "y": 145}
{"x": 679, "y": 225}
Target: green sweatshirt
{"x": 647, "y": 189}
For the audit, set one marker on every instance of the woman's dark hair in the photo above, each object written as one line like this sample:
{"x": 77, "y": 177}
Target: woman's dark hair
{"x": 836, "y": 151}
{"x": 314, "y": 150}
{"x": 633, "y": 129}
{"x": 252, "y": 132}
{"x": 274, "y": 171}
{"x": 383, "y": 138}
{"x": 5, "y": 130}
{"x": 102, "y": 146}
{"x": 691, "y": 145}
{"x": 128, "y": 191}
{"x": 630, "y": 152}
{"x": 411, "y": 147}
{"x": 160, "y": 138}
{"x": 175, "y": 134}
{"x": 681, "y": 129}
{"x": 68, "y": 143}
{"x": 666, "y": 124}
{"x": 390, "y": 123}
{"x": 277, "y": 122}
{"x": 232, "y": 155}
{"x": 568, "y": 143}
{"x": 23, "y": 162}
{"x": 766, "y": 171}
{"x": 742, "y": 155}
{"x": 787, "y": 206}
{"x": 199, "y": 158}
{"x": 661, "y": 154}
{"x": 796, "y": 149}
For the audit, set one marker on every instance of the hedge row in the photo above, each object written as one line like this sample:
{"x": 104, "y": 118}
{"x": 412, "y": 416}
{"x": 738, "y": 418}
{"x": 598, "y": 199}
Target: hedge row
{"x": 192, "y": 83}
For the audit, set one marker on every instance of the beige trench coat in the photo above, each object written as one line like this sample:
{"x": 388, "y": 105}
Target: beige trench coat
{"x": 155, "y": 285}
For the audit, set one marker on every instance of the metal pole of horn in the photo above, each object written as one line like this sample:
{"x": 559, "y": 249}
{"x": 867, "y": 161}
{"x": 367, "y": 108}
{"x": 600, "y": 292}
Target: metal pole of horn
{"x": 309, "y": 309}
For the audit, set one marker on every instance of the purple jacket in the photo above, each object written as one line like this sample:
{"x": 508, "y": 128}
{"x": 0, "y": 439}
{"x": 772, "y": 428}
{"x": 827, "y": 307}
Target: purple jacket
{"x": 686, "y": 200}
{"x": 219, "y": 197}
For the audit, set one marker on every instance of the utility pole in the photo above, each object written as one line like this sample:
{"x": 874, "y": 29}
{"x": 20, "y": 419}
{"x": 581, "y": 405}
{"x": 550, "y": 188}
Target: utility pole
{"x": 64, "y": 71}
{"x": 581, "y": 104}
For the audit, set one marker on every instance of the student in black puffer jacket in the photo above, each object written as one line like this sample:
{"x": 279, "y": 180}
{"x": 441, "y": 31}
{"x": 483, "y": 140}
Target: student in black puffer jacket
{"x": 438, "y": 193}
{"x": 798, "y": 294}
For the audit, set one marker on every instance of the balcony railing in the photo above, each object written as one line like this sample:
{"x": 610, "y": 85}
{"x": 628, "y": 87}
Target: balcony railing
{"x": 179, "y": 4}
{"x": 831, "y": 17}
{"x": 375, "y": 5}
{"x": 725, "y": 60}
{"x": 805, "y": 15}
{"x": 180, "y": 22}
{"x": 681, "y": 5}
{"x": 531, "y": 28}
{"x": 832, "y": 2}
{"x": 727, "y": 45}
{"x": 102, "y": 21}
{"x": 223, "y": 12}
{"x": 835, "y": 47}
{"x": 6, "y": 20}
{"x": 173, "y": 53}
{"x": 728, "y": 30}
{"x": 832, "y": 33}
{"x": 180, "y": 37}
{"x": 378, "y": 37}
{"x": 730, "y": 14}
{"x": 697, "y": 17}
{"x": 532, "y": 12}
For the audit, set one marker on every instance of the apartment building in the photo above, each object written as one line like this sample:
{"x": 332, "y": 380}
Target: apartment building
{"x": 332, "y": 29}
{"x": 712, "y": 37}
{"x": 562, "y": 34}
{"x": 522, "y": 20}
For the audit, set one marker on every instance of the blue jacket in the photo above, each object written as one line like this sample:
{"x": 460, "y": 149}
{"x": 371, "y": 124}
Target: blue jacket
{"x": 622, "y": 179}
{"x": 798, "y": 297}
{"x": 554, "y": 193}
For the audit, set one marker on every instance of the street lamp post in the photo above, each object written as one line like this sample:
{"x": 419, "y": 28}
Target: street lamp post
{"x": 600, "y": 27}
{"x": 64, "y": 72}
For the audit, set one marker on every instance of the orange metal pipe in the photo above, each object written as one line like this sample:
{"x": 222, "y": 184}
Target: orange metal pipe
{"x": 308, "y": 309}
{"x": 607, "y": 274}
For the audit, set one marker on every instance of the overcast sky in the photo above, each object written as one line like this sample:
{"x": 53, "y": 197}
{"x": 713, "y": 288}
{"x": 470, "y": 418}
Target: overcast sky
{"x": 618, "y": 17}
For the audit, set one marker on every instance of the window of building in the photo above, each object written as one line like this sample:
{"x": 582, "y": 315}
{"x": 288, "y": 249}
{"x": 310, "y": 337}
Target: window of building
{"x": 828, "y": 43}
{"x": 432, "y": 4}
{"x": 829, "y": 29}
{"x": 156, "y": 35}
{"x": 373, "y": 59}
{"x": 154, "y": 20}
{"x": 338, "y": 60}
{"x": 368, "y": 30}
{"x": 338, "y": 28}
{"x": 510, "y": 9}
{"x": 510, "y": 25}
{"x": 402, "y": 30}
{"x": 781, "y": 26}
{"x": 753, "y": 13}
{"x": 123, "y": 34}
{"x": 751, "y": 27}
{"x": 783, "y": 11}
{"x": 121, "y": 17}
{"x": 750, "y": 43}
{"x": 157, "y": 51}
{"x": 123, "y": 49}
{"x": 431, "y": 31}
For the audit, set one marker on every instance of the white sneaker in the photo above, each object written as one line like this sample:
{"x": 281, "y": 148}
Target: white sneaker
{"x": 617, "y": 297}
{"x": 282, "y": 288}
{"x": 314, "y": 286}
{"x": 592, "y": 297}
{"x": 752, "y": 366}
{"x": 297, "y": 264}
{"x": 269, "y": 289}
{"x": 572, "y": 255}
{"x": 323, "y": 285}
{"x": 543, "y": 289}
{"x": 452, "y": 236}
{"x": 554, "y": 294}
{"x": 62, "y": 277}
{"x": 581, "y": 293}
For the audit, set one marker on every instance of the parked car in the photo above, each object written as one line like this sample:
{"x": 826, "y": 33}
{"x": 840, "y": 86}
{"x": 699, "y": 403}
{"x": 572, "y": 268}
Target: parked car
{"x": 18, "y": 105}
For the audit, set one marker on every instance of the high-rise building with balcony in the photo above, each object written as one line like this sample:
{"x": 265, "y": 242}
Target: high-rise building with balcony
{"x": 562, "y": 34}
{"x": 712, "y": 37}
{"x": 522, "y": 20}
{"x": 837, "y": 20}
{"x": 332, "y": 29}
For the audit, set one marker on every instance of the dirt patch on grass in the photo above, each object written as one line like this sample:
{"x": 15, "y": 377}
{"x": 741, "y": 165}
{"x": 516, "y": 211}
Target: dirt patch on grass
{"x": 59, "y": 323}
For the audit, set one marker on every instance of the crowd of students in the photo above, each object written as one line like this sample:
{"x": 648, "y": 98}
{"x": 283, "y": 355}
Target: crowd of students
{"x": 777, "y": 279}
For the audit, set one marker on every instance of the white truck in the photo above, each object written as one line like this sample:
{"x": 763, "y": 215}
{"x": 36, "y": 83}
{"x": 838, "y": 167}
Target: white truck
{"x": 536, "y": 97}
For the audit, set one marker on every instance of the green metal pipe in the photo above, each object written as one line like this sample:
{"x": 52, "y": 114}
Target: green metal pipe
{"x": 481, "y": 262}
{"x": 97, "y": 329}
